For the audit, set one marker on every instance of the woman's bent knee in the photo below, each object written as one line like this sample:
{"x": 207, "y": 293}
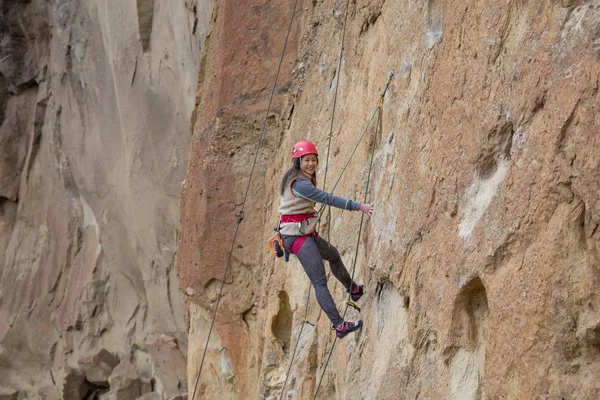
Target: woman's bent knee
{"x": 320, "y": 281}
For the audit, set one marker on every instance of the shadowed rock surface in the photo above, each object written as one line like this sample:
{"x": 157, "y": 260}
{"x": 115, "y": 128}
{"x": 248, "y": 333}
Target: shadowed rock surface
{"x": 95, "y": 102}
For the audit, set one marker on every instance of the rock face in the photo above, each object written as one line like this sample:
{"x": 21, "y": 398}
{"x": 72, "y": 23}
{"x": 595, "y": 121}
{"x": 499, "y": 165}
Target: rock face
{"x": 95, "y": 101}
{"x": 481, "y": 262}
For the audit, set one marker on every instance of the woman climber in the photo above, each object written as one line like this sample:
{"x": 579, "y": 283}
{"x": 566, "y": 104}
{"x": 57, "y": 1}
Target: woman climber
{"x": 297, "y": 229}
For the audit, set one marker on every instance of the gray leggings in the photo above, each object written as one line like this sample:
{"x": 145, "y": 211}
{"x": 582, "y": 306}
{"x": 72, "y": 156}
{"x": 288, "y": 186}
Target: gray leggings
{"x": 311, "y": 256}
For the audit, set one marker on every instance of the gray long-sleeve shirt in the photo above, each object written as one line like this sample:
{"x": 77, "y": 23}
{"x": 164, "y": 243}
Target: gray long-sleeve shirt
{"x": 303, "y": 188}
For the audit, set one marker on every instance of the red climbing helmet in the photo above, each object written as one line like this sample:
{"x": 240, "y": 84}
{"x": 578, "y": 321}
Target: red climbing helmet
{"x": 302, "y": 148}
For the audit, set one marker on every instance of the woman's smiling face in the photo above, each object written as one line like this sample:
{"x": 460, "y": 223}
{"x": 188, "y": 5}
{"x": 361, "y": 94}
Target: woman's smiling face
{"x": 309, "y": 164}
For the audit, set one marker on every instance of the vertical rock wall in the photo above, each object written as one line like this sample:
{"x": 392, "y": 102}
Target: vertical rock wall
{"x": 481, "y": 260}
{"x": 95, "y": 99}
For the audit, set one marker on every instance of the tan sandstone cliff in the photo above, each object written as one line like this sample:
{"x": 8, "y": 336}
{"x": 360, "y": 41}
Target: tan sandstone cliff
{"x": 481, "y": 262}
{"x": 95, "y": 102}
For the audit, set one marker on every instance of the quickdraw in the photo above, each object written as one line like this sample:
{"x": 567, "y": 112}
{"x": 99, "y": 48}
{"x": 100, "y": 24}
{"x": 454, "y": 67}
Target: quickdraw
{"x": 353, "y": 305}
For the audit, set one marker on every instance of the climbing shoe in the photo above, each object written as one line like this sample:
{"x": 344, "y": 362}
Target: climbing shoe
{"x": 357, "y": 292}
{"x": 346, "y": 327}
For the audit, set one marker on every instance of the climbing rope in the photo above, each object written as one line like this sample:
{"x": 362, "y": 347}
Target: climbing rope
{"x": 323, "y": 206}
{"x": 378, "y": 108}
{"x": 337, "y": 85}
{"x": 329, "y": 136}
{"x": 362, "y": 217}
{"x": 241, "y": 214}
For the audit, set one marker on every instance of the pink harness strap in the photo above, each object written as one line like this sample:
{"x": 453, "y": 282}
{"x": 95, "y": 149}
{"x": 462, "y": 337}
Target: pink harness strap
{"x": 297, "y": 245}
{"x": 296, "y": 217}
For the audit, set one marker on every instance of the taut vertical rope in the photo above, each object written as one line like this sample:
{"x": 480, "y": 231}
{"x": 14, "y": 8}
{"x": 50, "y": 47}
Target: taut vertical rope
{"x": 241, "y": 214}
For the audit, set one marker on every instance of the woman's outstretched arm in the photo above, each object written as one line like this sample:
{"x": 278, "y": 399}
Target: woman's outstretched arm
{"x": 305, "y": 189}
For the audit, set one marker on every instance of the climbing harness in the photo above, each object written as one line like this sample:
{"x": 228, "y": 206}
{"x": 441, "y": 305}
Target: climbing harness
{"x": 241, "y": 214}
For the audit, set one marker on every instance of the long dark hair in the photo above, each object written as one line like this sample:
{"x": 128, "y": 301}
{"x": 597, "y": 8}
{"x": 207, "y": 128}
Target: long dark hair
{"x": 295, "y": 172}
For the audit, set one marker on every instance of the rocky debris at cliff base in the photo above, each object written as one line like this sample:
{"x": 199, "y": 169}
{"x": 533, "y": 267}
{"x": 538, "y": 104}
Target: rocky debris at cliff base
{"x": 98, "y": 367}
{"x": 169, "y": 365}
{"x": 125, "y": 384}
{"x": 95, "y": 394}
{"x": 75, "y": 387}
{"x": 8, "y": 393}
{"x": 48, "y": 393}
{"x": 102, "y": 376}
{"x": 183, "y": 396}
{"x": 150, "y": 396}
